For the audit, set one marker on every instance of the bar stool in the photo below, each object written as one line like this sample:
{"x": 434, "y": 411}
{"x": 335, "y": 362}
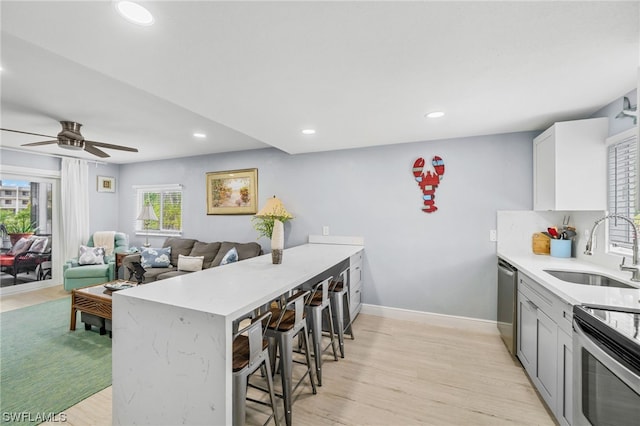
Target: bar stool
{"x": 339, "y": 295}
{"x": 287, "y": 322}
{"x": 250, "y": 351}
{"x": 317, "y": 304}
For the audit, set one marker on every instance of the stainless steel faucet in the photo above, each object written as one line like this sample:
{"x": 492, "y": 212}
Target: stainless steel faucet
{"x": 634, "y": 268}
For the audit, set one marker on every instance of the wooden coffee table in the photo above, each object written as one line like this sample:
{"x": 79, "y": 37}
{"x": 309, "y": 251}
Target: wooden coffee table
{"x": 95, "y": 300}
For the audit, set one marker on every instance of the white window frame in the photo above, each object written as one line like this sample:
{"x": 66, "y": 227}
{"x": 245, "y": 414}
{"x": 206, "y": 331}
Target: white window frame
{"x": 613, "y": 140}
{"x": 139, "y": 224}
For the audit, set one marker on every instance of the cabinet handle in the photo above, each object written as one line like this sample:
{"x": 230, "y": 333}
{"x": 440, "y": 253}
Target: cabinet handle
{"x": 532, "y": 305}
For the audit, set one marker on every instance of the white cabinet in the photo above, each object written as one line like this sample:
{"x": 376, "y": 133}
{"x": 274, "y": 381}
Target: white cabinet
{"x": 570, "y": 166}
{"x": 544, "y": 345}
{"x": 355, "y": 284}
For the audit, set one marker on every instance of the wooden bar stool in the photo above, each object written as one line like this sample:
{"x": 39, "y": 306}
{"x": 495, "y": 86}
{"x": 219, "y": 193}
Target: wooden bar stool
{"x": 339, "y": 295}
{"x": 287, "y": 322}
{"x": 250, "y": 352}
{"x": 316, "y": 304}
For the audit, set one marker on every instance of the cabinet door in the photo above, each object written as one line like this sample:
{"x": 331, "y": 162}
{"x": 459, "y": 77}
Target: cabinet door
{"x": 527, "y": 335}
{"x": 565, "y": 379}
{"x": 544, "y": 185}
{"x": 547, "y": 357}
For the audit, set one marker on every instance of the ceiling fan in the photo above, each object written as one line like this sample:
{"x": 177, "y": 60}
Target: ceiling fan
{"x": 71, "y": 138}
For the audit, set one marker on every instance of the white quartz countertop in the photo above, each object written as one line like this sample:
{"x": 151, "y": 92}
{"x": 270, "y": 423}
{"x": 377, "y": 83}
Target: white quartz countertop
{"x": 236, "y": 288}
{"x": 576, "y": 294}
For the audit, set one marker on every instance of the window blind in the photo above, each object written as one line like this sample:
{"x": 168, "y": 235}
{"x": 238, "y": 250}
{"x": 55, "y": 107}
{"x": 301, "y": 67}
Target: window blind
{"x": 622, "y": 160}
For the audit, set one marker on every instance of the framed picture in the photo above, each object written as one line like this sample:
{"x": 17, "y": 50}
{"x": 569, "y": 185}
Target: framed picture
{"x": 106, "y": 184}
{"x": 232, "y": 192}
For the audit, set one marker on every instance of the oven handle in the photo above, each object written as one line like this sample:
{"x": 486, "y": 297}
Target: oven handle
{"x": 581, "y": 340}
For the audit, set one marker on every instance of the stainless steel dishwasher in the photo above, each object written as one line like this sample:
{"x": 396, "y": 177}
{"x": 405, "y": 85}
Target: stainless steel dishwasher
{"x": 507, "y": 304}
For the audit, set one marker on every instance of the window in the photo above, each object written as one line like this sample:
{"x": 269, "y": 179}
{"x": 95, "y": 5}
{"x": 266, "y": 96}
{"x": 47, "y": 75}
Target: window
{"x": 623, "y": 190}
{"x": 166, "y": 201}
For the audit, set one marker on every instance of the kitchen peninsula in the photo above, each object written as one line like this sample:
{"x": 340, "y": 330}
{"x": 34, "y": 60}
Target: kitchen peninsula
{"x": 172, "y": 342}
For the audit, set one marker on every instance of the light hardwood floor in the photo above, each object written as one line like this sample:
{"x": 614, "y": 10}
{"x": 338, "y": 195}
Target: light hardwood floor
{"x": 394, "y": 373}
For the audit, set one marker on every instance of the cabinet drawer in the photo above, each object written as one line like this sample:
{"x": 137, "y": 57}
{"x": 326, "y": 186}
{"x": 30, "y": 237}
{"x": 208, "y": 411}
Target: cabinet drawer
{"x": 564, "y": 317}
{"x": 355, "y": 274}
{"x": 356, "y": 258}
{"x": 540, "y": 296}
{"x": 355, "y": 298}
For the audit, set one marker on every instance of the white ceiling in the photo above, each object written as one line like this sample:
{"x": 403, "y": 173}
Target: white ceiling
{"x": 254, "y": 74}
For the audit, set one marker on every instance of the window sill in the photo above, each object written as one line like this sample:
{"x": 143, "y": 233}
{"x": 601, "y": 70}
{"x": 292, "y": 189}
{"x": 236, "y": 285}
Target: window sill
{"x": 159, "y": 233}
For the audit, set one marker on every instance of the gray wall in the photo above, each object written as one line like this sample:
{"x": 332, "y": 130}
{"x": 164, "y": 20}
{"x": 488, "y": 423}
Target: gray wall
{"x": 440, "y": 262}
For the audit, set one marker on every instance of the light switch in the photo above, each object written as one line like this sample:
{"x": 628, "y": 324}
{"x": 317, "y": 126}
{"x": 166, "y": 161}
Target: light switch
{"x": 325, "y": 230}
{"x": 493, "y": 235}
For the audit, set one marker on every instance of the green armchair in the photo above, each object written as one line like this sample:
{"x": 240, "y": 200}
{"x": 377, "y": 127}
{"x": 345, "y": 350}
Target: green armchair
{"x": 76, "y": 275}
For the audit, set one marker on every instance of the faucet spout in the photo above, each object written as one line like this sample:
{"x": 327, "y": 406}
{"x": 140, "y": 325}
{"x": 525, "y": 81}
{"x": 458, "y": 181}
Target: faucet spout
{"x": 634, "y": 267}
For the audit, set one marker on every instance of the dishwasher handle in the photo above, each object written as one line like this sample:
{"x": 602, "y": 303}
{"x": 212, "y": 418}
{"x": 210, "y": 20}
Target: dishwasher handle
{"x": 506, "y": 268}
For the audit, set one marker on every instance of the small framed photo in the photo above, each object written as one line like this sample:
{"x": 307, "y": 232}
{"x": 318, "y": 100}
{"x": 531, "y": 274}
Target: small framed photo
{"x": 106, "y": 184}
{"x": 232, "y": 192}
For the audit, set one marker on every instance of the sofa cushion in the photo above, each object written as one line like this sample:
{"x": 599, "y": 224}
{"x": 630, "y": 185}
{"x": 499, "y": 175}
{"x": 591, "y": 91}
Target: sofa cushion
{"x": 88, "y": 271}
{"x": 190, "y": 263}
{"x": 91, "y": 255}
{"x": 153, "y": 274}
{"x": 245, "y": 251}
{"x": 208, "y": 250}
{"x": 164, "y": 275}
{"x": 179, "y": 246}
{"x": 156, "y": 257}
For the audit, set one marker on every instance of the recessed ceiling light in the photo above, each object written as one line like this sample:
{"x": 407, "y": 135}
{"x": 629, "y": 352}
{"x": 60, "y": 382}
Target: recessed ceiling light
{"x": 199, "y": 135}
{"x": 134, "y": 13}
{"x": 308, "y": 132}
{"x": 435, "y": 114}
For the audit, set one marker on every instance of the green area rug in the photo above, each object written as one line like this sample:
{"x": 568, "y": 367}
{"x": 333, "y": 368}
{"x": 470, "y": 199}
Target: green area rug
{"x": 44, "y": 367}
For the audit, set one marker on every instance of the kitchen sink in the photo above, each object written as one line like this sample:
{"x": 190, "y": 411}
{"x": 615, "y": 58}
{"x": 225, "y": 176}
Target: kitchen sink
{"x": 587, "y": 278}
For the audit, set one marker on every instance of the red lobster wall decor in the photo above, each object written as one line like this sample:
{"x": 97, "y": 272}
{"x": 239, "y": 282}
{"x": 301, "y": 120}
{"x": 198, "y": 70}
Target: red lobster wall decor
{"x": 428, "y": 182}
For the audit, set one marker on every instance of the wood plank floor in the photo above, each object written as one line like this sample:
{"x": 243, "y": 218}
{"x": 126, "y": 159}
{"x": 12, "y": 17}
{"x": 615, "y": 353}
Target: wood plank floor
{"x": 394, "y": 373}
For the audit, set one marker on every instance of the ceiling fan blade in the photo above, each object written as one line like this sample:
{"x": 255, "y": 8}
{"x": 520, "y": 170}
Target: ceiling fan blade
{"x": 27, "y": 133}
{"x": 39, "y": 143}
{"x": 111, "y": 146}
{"x": 95, "y": 151}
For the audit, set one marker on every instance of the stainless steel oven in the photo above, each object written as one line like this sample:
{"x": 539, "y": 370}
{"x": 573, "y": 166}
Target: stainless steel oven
{"x": 606, "y": 366}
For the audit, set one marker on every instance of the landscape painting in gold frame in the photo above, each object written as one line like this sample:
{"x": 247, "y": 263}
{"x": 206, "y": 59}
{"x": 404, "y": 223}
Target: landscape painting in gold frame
{"x": 232, "y": 192}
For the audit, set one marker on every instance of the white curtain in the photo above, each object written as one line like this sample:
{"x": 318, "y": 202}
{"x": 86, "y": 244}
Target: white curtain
{"x": 74, "y": 180}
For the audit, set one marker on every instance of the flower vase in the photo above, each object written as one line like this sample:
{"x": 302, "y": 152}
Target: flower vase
{"x": 277, "y": 242}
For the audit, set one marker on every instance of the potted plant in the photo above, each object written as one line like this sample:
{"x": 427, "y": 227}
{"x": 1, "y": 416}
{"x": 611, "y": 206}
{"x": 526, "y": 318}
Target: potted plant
{"x": 269, "y": 222}
{"x": 20, "y": 225}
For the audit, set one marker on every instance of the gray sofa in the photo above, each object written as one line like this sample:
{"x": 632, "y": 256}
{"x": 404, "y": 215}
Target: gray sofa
{"x": 212, "y": 252}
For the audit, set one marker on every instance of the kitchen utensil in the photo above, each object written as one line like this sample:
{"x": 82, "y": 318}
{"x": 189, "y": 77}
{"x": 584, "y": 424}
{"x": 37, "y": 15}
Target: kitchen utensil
{"x": 546, "y": 234}
{"x": 553, "y": 232}
{"x": 565, "y": 222}
{"x": 569, "y": 234}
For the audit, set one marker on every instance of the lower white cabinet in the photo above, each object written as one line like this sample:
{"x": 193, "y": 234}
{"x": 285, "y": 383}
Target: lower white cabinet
{"x": 544, "y": 348}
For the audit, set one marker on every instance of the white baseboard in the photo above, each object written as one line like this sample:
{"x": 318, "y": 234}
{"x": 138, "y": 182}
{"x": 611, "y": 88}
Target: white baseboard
{"x": 451, "y": 321}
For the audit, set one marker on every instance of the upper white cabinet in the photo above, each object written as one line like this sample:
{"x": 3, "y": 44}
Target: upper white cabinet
{"x": 570, "y": 166}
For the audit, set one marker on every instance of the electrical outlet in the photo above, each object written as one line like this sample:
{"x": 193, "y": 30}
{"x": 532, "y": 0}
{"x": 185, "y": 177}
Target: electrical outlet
{"x": 493, "y": 235}
{"x": 325, "y": 230}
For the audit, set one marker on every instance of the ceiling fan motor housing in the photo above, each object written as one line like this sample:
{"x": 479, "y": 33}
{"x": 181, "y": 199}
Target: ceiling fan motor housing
{"x": 70, "y": 136}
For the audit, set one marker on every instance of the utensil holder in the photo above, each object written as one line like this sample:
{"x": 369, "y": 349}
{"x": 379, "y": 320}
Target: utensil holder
{"x": 561, "y": 248}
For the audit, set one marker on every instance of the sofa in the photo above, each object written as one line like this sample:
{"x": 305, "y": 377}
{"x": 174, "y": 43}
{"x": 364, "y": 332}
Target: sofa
{"x": 190, "y": 249}
{"x": 77, "y": 275}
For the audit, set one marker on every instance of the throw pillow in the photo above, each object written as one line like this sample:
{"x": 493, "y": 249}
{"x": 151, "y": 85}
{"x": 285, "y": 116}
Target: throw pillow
{"x": 21, "y": 246}
{"x": 230, "y": 257}
{"x": 156, "y": 257}
{"x": 39, "y": 244}
{"x": 91, "y": 255}
{"x": 190, "y": 263}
